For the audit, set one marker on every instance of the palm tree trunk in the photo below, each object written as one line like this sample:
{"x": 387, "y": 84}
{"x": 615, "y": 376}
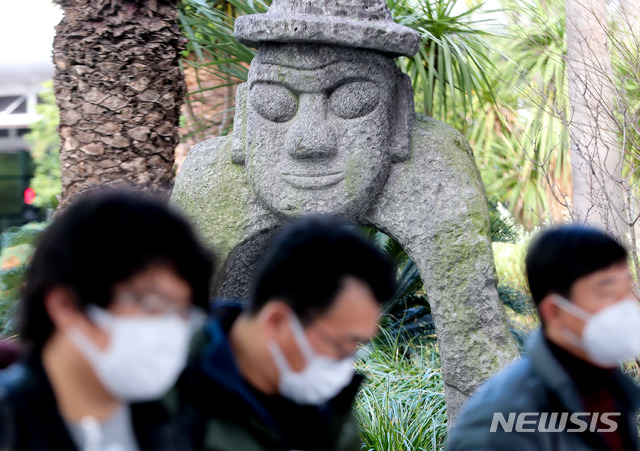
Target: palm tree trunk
{"x": 596, "y": 157}
{"x": 119, "y": 89}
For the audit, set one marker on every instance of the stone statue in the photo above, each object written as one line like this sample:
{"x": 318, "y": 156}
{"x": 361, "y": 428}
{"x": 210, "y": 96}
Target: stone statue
{"x": 326, "y": 124}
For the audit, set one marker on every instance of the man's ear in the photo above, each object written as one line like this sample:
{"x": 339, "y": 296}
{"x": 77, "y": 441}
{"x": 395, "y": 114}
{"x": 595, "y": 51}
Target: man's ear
{"x": 402, "y": 117}
{"x": 548, "y": 309}
{"x": 239, "y": 138}
{"x": 61, "y": 307}
{"x": 273, "y": 316}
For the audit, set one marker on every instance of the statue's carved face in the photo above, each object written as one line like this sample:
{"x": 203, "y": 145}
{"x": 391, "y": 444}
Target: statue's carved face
{"x": 318, "y": 119}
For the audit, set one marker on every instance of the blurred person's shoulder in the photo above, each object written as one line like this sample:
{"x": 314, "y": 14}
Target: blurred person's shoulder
{"x": 9, "y": 352}
{"x": 17, "y": 397}
{"x": 517, "y": 388}
{"x": 12, "y": 372}
{"x": 24, "y": 386}
{"x": 216, "y": 325}
{"x": 514, "y": 390}
{"x": 13, "y": 381}
{"x": 209, "y": 347}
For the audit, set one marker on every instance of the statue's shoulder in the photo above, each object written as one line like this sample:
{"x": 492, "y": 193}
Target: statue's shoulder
{"x": 208, "y": 163}
{"x": 428, "y": 131}
{"x": 428, "y": 124}
{"x": 208, "y": 152}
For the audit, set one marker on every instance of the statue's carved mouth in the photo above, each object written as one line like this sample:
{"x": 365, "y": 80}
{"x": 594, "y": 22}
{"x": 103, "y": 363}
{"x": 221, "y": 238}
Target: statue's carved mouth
{"x": 312, "y": 181}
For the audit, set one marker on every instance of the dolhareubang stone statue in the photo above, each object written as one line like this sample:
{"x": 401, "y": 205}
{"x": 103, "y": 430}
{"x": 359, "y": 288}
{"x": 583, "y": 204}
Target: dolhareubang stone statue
{"x": 326, "y": 124}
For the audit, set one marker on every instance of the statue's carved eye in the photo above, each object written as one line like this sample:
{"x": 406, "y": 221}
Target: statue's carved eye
{"x": 273, "y": 102}
{"x": 354, "y": 99}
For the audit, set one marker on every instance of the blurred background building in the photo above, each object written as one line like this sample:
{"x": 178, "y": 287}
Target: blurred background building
{"x": 25, "y": 63}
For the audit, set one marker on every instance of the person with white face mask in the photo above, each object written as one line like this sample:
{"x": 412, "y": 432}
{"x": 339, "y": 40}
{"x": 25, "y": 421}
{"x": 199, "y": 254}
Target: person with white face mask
{"x": 278, "y": 373}
{"x": 105, "y": 321}
{"x": 569, "y": 387}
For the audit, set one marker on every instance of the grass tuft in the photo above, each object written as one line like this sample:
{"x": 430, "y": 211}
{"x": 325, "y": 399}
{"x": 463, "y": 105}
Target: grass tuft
{"x": 401, "y": 406}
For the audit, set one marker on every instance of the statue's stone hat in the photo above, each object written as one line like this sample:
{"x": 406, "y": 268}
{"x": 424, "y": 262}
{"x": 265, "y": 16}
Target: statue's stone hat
{"x": 350, "y": 23}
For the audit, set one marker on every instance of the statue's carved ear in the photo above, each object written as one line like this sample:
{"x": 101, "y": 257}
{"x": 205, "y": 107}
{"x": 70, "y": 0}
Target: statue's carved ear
{"x": 239, "y": 138}
{"x": 402, "y": 119}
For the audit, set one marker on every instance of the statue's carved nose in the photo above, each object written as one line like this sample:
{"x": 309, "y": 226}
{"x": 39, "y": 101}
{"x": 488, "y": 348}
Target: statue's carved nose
{"x": 312, "y": 136}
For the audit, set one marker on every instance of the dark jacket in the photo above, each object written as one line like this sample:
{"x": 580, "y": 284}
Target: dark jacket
{"x": 9, "y": 352}
{"x": 540, "y": 383}
{"x": 30, "y": 420}
{"x": 232, "y": 416}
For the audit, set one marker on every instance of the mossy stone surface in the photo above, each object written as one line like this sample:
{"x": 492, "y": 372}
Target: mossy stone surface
{"x": 435, "y": 205}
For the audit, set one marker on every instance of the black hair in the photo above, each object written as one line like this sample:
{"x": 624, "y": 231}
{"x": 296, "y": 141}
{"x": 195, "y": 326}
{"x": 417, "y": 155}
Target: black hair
{"x": 308, "y": 262}
{"x": 104, "y": 238}
{"x": 560, "y": 256}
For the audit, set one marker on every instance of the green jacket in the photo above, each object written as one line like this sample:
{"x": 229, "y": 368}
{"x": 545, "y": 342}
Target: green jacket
{"x": 228, "y": 415}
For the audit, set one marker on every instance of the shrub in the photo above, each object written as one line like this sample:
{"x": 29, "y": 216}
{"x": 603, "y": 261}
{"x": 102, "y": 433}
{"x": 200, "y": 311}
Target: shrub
{"x": 16, "y": 247}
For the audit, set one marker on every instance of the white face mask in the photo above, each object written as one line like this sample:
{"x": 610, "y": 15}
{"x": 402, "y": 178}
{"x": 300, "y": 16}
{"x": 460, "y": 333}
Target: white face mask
{"x": 145, "y": 355}
{"x": 320, "y": 380}
{"x": 610, "y": 335}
